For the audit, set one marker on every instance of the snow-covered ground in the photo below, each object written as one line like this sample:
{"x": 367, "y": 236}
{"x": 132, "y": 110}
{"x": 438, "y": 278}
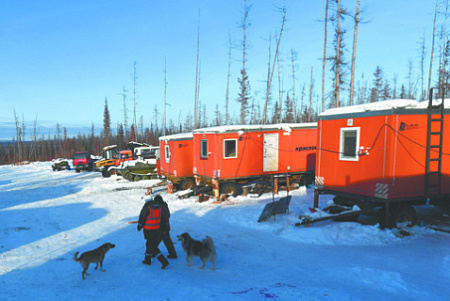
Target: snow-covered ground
{"x": 46, "y": 216}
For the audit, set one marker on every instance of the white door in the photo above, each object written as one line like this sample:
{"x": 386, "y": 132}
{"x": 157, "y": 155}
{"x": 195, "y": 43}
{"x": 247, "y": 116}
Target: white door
{"x": 270, "y": 152}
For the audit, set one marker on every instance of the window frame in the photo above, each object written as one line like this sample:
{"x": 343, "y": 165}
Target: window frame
{"x": 342, "y": 156}
{"x": 167, "y": 153}
{"x": 202, "y": 154}
{"x": 235, "y": 148}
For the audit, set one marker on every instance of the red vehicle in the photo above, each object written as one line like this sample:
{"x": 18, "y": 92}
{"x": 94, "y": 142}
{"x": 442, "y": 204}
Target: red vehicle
{"x": 239, "y": 154}
{"x": 388, "y": 155}
{"x": 176, "y": 160}
{"x": 83, "y": 161}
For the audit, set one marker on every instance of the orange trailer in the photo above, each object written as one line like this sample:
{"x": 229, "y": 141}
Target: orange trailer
{"x": 238, "y": 154}
{"x": 176, "y": 159}
{"x": 390, "y": 154}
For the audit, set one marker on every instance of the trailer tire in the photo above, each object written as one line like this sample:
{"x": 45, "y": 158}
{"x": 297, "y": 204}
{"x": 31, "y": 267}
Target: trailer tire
{"x": 106, "y": 173}
{"x": 187, "y": 184}
{"x": 137, "y": 178}
{"x": 404, "y": 216}
{"x": 229, "y": 188}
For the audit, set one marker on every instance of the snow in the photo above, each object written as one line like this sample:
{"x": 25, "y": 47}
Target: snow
{"x": 256, "y": 127}
{"x": 181, "y": 136}
{"x": 46, "y": 216}
{"x": 374, "y": 106}
{"x": 383, "y": 106}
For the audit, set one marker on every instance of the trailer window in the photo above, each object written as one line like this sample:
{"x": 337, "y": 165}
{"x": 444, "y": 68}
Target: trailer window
{"x": 167, "y": 153}
{"x": 204, "y": 149}
{"x": 230, "y": 148}
{"x": 349, "y": 144}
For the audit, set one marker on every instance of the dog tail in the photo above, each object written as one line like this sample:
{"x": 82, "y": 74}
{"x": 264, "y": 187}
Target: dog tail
{"x": 209, "y": 243}
{"x": 75, "y": 257}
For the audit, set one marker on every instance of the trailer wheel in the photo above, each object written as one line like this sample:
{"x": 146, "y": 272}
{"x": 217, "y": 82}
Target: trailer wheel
{"x": 229, "y": 188}
{"x": 187, "y": 184}
{"x": 404, "y": 216}
{"x": 106, "y": 174}
{"x": 145, "y": 177}
{"x": 137, "y": 178}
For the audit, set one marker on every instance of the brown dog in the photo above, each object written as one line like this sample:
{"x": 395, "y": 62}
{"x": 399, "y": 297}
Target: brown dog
{"x": 96, "y": 255}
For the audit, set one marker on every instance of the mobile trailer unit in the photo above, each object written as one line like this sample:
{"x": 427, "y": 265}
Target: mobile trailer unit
{"x": 176, "y": 159}
{"x": 239, "y": 154}
{"x": 387, "y": 156}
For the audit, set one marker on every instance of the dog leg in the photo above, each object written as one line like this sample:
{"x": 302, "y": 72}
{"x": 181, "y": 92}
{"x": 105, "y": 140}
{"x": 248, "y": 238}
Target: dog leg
{"x": 101, "y": 266}
{"x": 204, "y": 263}
{"x": 190, "y": 261}
{"x": 96, "y": 266}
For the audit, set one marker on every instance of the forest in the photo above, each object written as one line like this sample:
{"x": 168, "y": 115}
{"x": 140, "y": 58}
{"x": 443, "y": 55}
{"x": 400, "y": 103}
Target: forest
{"x": 274, "y": 107}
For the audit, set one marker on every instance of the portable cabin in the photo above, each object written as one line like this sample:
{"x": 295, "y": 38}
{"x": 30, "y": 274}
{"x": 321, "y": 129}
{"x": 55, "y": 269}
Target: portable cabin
{"x": 392, "y": 154}
{"x": 237, "y": 154}
{"x": 176, "y": 159}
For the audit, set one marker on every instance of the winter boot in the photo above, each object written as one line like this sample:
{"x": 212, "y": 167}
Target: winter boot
{"x": 163, "y": 261}
{"x": 147, "y": 260}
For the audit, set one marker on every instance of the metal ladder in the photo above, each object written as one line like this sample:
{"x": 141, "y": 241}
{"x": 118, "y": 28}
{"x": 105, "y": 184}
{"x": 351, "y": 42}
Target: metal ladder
{"x": 435, "y": 134}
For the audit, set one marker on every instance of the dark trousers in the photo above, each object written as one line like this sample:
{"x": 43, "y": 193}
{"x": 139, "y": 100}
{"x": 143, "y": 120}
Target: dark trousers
{"x": 153, "y": 239}
{"x": 167, "y": 240}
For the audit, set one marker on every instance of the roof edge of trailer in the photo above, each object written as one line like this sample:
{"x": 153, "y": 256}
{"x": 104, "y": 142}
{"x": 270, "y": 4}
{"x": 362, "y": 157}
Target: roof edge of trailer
{"x": 387, "y": 107}
{"x": 175, "y": 137}
{"x": 253, "y": 127}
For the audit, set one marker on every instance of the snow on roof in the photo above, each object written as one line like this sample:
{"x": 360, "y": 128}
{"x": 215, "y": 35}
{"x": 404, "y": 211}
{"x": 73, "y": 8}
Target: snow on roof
{"x": 436, "y": 102}
{"x": 383, "y": 106}
{"x": 374, "y": 106}
{"x": 245, "y": 128}
{"x": 181, "y": 136}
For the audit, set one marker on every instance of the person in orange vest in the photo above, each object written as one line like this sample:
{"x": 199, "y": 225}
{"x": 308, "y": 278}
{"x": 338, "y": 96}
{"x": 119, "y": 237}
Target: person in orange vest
{"x": 151, "y": 219}
{"x": 165, "y": 227}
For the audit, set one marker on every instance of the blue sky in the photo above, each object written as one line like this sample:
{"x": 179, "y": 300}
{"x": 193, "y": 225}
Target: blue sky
{"x": 60, "y": 59}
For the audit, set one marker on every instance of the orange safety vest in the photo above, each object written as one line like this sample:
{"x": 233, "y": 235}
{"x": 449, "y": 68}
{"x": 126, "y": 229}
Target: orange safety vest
{"x": 153, "y": 219}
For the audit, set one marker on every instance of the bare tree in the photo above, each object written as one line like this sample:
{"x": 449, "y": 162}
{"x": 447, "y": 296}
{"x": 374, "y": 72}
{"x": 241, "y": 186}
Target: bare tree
{"x": 324, "y": 57}
{"x": 19, "y": 137}
{"x": 394, "y": 88}
{"x": 227, "y": 94}
{"x": 421, "y": 62}
{"x": 106, "y": 123}
{"x": 155, "y": 116}
{"x": 293, "y": 87}
{"x": 338, "y": 54}
{"x": 310, "y": 95}
{"x": 134, "y": 101}
{"x": 165, "y": 95}
{"x": 244, "y": 92}
{"x": 125, "y": 113}
{"x": 432, "y": 46}
{"x": 355, "y": 34}
{"x": 280, "y": 90}
{"x": 197, "y": 74}
{"x": 273, "y": 68}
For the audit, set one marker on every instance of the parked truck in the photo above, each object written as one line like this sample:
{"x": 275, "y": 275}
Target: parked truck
{"x": 83, "y": 161}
